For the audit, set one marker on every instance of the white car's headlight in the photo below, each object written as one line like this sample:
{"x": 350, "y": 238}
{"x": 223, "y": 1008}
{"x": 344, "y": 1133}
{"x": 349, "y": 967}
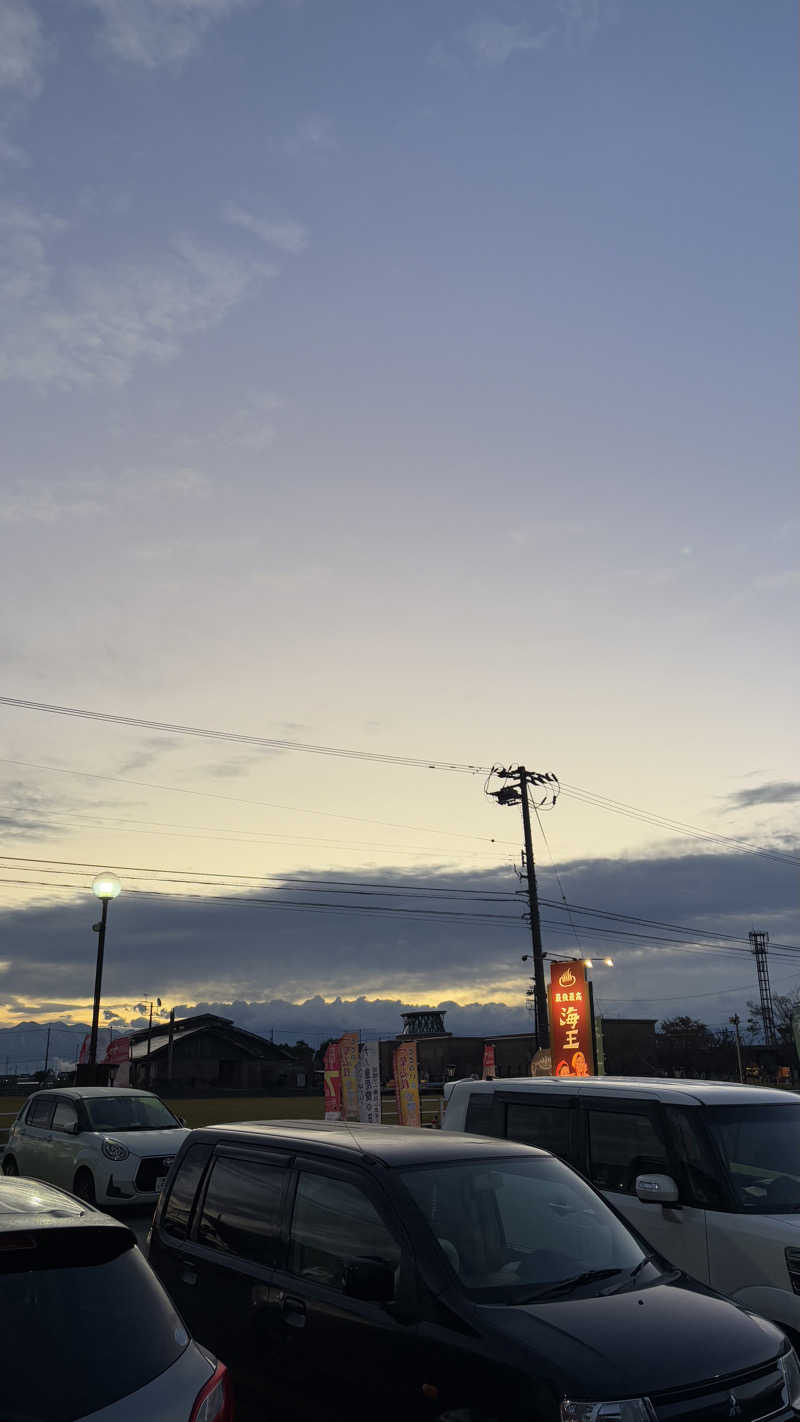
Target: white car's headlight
{"x": 114, "y": 1150}
{"x": 791, "y": 1374}
{"x": 629, "y": 1409}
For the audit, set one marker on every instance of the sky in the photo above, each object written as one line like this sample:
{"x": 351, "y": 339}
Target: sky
{"x": 418, "y": 380}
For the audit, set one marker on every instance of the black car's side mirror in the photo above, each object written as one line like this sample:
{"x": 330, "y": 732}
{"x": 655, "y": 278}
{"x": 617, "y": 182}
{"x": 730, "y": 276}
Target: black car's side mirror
{"x": 369, "y": 1280}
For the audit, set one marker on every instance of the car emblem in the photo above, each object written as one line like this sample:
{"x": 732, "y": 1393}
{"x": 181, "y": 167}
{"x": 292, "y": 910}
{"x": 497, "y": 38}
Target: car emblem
{"x": 735, "y": 1406}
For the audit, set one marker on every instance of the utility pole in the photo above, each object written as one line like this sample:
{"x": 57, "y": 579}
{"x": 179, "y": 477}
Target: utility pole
{"x": 517, "y": 793}
{"x": 171, "y": 1045}
{"x": 760, "y": 942}
{"x": 46, "y": 1057}
{"x": 734, "y": 1021}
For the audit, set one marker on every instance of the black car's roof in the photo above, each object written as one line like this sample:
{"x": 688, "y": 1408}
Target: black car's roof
{"x": 392, "y": 1145}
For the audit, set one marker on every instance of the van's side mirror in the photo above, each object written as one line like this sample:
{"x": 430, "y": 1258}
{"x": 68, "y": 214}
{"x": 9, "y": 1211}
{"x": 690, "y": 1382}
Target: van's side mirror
{"x": 657, "y": 1189}
{"x": 369, "y": 1280}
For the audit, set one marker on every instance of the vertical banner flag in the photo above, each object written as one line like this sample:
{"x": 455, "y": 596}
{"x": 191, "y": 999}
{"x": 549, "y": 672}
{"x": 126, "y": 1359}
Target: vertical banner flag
{"x": 369, "y": 1083}
{"x": 570, "y": 1020}
{"x": 406, "y": 1084}
{"x": 333, "y": 1082}
{"x": 84, "y": 1052}
{"x": 348, "y": 1055}
{"x": 488, "y": 1061}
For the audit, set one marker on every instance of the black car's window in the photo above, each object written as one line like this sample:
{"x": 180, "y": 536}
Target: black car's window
{"x": 177, "y": 1212}
{"x": 242, "y": 1209}
{"x": 622, "y": 1145}
{"x": 480, "y": 1108}
{"x": 65, "y": 1117}
{"x": 538, "y": 1123}
{"x": 40, "y": 1112}
{"x": 511, "y": 1227}
{"x": 696, "y": 1157}
{"x": 335, "y": 1223}
{"x": 130, "y": 1113}
{"x": 115, "y": 1326}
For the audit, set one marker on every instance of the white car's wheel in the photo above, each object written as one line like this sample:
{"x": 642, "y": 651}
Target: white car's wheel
{"x": 10, "y": 1166}
{"x": 84, "y": 1186}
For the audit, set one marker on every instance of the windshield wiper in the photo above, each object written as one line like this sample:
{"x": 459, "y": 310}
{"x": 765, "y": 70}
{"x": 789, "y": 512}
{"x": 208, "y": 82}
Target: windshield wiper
{"x": 637, "y": 1269}
{"x": 551, "y": 1291}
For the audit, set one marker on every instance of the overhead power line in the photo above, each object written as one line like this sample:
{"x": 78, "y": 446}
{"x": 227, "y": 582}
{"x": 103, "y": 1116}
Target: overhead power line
{"x": 270, "y": 743}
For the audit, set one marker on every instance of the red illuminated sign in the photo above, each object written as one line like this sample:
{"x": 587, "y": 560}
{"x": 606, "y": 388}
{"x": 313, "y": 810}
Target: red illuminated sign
{"x": 570, "y": 1020}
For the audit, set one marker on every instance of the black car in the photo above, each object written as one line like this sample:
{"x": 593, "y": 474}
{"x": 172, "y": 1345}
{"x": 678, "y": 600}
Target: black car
{"x": 386, "y": 1272}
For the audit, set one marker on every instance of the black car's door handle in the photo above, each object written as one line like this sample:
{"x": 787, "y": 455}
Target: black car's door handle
{"x": 188, "y": 1273}
{"x": 294, "y": 1311}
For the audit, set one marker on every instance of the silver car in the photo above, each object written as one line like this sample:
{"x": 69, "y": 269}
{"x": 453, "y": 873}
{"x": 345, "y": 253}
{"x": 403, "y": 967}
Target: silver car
{"x": 88, "y": 1331}
{"x": 109, "y": 1145}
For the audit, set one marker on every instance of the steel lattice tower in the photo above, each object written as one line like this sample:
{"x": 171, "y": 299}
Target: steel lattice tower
{"x": 760, "y": 942}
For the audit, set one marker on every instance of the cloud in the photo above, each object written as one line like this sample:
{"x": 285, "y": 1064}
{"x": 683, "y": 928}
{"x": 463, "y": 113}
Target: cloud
{"x": 95, "y": 324}
{"x": 260, "y": 949}
{"x": 494, "y": 42}
{"x": 314, "y": 133}
{"x": 23, "y": 49}
{"x": 778, "y": 582}
{"x": 155, "y": 32}
{"x": 287, "y": 236}
{"x": 779, "y": 792}
{"x": 12, "y": 153}
{"x": 152, "y": 748}
{"x": 29, "y": 501}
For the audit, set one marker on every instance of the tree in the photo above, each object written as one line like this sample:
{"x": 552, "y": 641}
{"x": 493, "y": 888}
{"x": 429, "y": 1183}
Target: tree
{"x": 783, "y": 1005}
{"x": 686, "y": 1030}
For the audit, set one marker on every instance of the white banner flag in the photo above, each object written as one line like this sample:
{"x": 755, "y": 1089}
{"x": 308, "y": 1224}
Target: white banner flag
{"x": 369, "y": 1083}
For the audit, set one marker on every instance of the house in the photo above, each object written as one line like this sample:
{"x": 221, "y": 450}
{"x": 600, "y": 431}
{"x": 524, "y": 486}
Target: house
{"x": 209, "y": 1052}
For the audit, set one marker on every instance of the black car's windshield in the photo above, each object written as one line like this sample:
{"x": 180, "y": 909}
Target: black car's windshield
{"x": 760, "y": 1148}
{"x": 130, "y": 1113}
{"x": 516, "y": 1230}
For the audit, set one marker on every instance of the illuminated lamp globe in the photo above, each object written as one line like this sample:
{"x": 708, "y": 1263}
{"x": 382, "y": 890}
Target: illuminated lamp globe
{"x": 609, "y": 962}
{"x": 106, "y": 886}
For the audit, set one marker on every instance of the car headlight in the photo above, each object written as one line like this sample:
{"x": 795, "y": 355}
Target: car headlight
{"x": 791, "y": 1376}
{"x": 629, "y": 1409}
{"x": 113, "y": 1150}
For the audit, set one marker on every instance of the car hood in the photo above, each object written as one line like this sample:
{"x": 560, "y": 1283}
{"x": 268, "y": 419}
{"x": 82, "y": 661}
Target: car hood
{"x": 640, "y": 1342}
{"x": 148, "y": 1142}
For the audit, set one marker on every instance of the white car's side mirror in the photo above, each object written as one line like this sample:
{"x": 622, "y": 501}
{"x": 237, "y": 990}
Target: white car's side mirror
{"x": 657, "y": 1189}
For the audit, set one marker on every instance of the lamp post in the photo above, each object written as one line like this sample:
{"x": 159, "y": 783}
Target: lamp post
{"x": 105, "y": 887}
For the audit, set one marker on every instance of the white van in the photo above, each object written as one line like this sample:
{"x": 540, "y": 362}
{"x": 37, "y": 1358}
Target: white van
{"x": 708, "y": 1172}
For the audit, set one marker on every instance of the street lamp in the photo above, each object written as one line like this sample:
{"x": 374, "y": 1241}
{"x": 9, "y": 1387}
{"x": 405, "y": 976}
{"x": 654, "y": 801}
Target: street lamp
{"x": 105, "y": 887}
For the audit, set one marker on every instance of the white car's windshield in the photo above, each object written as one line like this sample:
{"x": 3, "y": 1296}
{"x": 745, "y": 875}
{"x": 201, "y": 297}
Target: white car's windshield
{"x": 130, "y": 1113}
{"x": 516, "y": 1230}
{"x": 760, "y": 1148}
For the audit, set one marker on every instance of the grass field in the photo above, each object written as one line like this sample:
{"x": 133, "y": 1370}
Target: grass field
{"x": 215, "y": 1110}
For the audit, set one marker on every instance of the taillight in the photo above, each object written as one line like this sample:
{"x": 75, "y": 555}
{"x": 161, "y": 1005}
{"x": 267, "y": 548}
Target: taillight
{"x": 215, "y": 1402}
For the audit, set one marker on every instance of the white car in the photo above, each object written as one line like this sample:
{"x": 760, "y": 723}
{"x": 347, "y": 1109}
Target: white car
{"x": 88, "y": 1331}
{"x": 104, "y": 1144}
{"x": 708, "y": 1172}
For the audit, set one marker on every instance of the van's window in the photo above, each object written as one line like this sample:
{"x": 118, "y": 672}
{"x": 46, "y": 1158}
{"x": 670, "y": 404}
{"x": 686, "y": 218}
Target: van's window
{"x": 760, "y": 1148}
{"x": 479, "y": 1113}
{"x": 177, "y": 1212}
{"x": 622, "y": 1145}
{"x": 95, "y": 1294}
{"x": 242, "y": 1209}
{"x": 40, "y": 1112}
{"x": 536, "y": 1123}
{"x": 515, "y": 1229}
{"x": 65, "y": 1117}
{"x": 697, "y": 1158}
{"x": 334, "y": 1224}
